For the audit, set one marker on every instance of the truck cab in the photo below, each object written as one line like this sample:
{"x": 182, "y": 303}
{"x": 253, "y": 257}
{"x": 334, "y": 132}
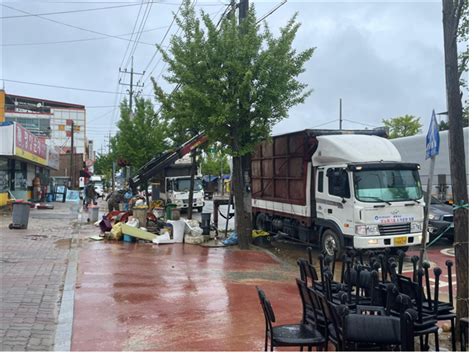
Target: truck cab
{"x": 370, "y": 205}
{"x": 177, "y": 192}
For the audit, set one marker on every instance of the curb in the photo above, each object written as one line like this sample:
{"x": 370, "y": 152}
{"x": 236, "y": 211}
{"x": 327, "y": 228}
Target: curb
{"x": 63, "y": 337}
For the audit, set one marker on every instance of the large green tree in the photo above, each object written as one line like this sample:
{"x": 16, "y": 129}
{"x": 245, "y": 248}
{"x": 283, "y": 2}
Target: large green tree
{"x": 141, "y": 135}
{"x": 402, "y": 126}
{"x": 239, "y": 80}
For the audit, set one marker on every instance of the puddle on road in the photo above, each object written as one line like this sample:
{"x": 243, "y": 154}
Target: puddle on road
{"x": 133, "y": 298}
{"x": 63, "y": 243}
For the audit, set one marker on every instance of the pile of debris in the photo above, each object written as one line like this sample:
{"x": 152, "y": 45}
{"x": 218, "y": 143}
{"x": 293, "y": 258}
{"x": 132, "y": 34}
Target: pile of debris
{"x": 155, "y": 224}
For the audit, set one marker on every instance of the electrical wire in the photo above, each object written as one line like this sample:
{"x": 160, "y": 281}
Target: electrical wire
{"x": 78, "y": 40}
{"x": 326, "y": 123}
{"x": 161, "y": 42}
{"x": 72, "y": 26}
{"x": 63, "y": 87}
{"x": 360, "y": 123}
{"x": 148, "y": 82}
{"x": 140, "y": 27}
{"x": 131, "y": 36}
{"x": 272, "y": 11}
{"x": 68, "y": 11}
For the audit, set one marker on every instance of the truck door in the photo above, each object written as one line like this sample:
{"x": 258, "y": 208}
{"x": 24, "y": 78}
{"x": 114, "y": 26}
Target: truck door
{"x": 334, "y": 199}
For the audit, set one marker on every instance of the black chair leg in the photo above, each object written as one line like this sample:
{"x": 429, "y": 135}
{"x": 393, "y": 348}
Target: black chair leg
{"x": 271, "y": 346}
{"x": 310, "y": 348}
{"x": 453, "y": 335}
{"x": 436, "y": 334}
{"x": 266, "y": 342}
{"x": 301, "y": 348}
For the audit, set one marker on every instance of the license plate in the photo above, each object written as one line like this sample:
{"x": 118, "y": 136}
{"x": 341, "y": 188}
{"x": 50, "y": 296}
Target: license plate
{"x": 399, "y": 241}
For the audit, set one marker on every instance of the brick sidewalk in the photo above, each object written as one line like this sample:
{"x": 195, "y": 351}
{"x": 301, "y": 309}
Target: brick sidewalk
{"x": 32, "y": 269}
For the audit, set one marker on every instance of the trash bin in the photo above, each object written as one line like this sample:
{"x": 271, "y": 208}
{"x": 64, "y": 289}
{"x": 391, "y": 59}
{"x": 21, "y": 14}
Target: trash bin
{"x": 140, "y": 214}
{"x": 93, "y": 214}
{"x": 169, "y": 211}
{"x": 20, "y": 215}
{"x": 206, "y": 223}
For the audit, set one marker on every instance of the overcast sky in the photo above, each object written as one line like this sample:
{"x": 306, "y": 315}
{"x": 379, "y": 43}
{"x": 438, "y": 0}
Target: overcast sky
{"x": 384, "y": 59}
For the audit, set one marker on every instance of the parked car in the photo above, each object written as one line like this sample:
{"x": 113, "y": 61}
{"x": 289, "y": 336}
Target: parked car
{"x": 440, "y": 218}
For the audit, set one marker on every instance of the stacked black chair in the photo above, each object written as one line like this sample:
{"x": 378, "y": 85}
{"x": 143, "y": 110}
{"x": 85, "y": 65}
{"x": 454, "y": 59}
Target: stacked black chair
{"x": 425, "y": 323}
{"x": 300, "y": 335}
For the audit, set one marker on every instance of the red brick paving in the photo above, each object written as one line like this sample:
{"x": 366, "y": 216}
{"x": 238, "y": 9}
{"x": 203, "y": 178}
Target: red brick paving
{"x": 143, "y": 297}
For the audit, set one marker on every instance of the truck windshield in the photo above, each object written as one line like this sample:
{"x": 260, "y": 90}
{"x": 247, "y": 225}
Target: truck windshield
{"x": 387, "y": 185}
{"x": 183, "y": 184}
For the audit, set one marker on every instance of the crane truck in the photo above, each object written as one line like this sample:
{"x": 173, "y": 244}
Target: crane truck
{"x": 174, "y": 177}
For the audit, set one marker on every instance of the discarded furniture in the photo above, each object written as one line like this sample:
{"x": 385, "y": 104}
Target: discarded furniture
{"x": 302, "y": 335}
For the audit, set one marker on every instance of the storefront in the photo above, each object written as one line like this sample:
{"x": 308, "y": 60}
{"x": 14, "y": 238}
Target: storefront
{"x": 23, "y": 156}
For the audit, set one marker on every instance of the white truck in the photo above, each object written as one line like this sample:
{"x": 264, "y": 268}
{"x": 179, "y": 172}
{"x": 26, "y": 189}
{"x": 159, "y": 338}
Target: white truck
{"x": 337, "y": 189}
{"x": 177, "y": 191}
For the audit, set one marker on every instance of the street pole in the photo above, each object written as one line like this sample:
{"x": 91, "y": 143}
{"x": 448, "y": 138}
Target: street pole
{"x": 71, "y": 168}
{"x": 424, "y": 236}
{"x": 340, "y": 114}
{"x": 113, "y": 176}
{"x": 243, "y": 10}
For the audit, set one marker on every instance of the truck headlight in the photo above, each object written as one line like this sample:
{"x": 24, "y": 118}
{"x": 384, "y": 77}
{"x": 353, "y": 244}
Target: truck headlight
{"x": 416, "y": 227}
{"x": 434, "y": 217}
{"x": 367, "y": 230}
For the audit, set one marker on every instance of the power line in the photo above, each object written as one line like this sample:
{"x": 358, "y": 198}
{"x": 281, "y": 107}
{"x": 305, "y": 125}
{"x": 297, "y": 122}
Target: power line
{"x": 72, "y": 26}
{"x": 131, "y": 35}
{"x": 161, "y": 43}
{"x": 360, "y": 123}
{"x": 324, "y": 124}
{"x": 164, "y": 65}
{"x": 78, "y": 40}
{"x": 68, "y": 11}
{"x": 272, "y": 11}
{"x": 64, "y": 87}
{"x": 146, "y": 14}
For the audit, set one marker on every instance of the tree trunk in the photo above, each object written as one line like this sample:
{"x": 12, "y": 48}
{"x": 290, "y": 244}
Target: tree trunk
{"x": 243, "y": 199}
{"x": 457, "y": 159}
{"x": 191, "y": 185}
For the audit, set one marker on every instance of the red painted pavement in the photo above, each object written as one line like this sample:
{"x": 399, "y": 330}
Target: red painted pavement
{"x": 143, "y": 297}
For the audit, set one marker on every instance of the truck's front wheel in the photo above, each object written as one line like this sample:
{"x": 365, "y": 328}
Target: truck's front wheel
{"x": 331, "y": 244}
{"x": 261, "y": 222}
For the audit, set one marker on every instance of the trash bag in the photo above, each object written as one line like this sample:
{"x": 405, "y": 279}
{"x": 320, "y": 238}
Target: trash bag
{"x": 116, "y": 232}
{"x": 231, "y": 240}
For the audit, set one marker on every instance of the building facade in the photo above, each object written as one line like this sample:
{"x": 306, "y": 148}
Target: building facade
{"x": 35, "y": 138}
{"x": 48, "y": 119}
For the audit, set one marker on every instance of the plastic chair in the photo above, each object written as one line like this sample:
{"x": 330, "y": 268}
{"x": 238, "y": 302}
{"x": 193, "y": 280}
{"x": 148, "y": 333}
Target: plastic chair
{"x": 289, "y": 334}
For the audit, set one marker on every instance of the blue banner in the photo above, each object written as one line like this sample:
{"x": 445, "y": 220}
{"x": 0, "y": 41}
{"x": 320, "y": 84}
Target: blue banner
{"x": 432, "y": 138}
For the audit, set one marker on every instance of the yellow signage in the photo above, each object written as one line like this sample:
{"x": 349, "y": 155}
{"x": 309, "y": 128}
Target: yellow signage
{"x": 30, "y": 156}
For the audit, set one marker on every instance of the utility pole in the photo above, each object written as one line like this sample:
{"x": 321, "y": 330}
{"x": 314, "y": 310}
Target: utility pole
{"x": 243, "y": 10}
{"x": 340, "y": 113}
{"x": 131, "y": 84}
{"x": 452, "y": 11}
{"x": 71, "y": 170}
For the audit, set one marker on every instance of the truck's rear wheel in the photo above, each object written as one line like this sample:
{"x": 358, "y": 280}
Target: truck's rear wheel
{"x": 331, "y": 243}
